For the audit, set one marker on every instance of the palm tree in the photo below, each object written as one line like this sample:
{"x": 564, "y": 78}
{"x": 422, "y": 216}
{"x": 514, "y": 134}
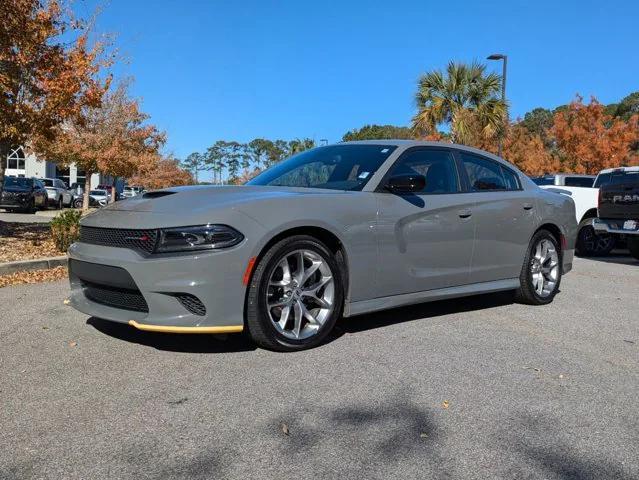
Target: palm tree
{"x": 466, "y": 98}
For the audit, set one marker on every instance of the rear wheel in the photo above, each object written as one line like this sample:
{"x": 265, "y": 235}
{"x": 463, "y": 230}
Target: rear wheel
{"x": 633, "y": 245}
{"x": 591, "y": 243}
{"x": 541, "y": 272}
{"x": 295, "y": 296}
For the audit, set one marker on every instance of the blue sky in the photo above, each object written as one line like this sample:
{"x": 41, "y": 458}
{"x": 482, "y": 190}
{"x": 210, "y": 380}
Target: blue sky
{"x": 236, "y": 70}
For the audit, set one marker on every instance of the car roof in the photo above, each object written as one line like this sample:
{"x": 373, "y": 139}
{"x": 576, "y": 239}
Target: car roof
{"x": 424, "y": 143}
{"x": 620, "y": 169}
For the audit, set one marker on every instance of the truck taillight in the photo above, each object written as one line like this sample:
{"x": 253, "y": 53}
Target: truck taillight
{"x": 599, "y": 200}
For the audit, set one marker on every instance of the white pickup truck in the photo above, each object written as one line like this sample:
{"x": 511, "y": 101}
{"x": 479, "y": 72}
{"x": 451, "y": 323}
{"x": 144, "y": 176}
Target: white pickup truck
{"x": 589, "y": 241}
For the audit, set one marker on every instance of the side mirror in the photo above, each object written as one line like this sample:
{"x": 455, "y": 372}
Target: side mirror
{"x": 406, "y": 183}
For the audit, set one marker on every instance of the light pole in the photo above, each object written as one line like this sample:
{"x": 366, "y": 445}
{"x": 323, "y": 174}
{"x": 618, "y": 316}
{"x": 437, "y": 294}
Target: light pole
{"x": 500, "y": 56}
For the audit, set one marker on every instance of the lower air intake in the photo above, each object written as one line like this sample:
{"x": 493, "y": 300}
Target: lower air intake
{"x": 191, "y": 303}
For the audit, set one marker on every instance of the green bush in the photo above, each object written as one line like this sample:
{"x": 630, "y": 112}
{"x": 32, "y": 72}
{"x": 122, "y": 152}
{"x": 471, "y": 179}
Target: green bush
{"x": 65, "y": 229}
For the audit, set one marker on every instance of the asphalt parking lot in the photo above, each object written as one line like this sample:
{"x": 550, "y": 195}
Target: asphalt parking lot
{"x": 473, "y": 388}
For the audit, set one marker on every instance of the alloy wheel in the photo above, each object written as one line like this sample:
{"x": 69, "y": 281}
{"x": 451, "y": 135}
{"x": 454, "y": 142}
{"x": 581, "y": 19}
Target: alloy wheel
{"x": 300, "y": 294}
{"x": 544, "y": 268}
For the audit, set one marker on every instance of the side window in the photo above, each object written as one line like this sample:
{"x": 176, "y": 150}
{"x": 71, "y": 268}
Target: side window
{"x": 483, "y": 174}
{"x": 512, "y": 182}
{"x": 437, "y": 166}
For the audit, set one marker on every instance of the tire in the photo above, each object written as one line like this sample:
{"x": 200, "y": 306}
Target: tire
{"x": 593, "y": 244}
{"x": 60, "y": 204}
{"x": 529, "y": 292}
{"x": 267, "y": 303}
{"x": 633, "y": 245}
{"x": 77, "y": 203}
{"x": 31, "y": 208}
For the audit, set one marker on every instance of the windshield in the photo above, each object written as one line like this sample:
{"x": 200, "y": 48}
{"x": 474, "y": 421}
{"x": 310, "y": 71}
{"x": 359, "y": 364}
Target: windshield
{"x": 17, "y": 182}
{"x": 544, "y": 180}
{"x": 97, "y": 193}
{"x": 336, "y": 167}
{"x": 616, "y": 178}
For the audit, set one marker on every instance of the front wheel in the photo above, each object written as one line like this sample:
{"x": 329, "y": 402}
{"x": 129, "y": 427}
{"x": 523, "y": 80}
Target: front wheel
{"x": 77, "y": 203}
{"x": 541, "y": 272}
{"x": 295, "y": 295}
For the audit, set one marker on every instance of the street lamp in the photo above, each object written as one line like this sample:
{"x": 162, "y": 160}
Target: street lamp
{"x": 499, "y": 56}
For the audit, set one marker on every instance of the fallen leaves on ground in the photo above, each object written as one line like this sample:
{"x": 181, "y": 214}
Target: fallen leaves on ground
{"x": 445, "y": 404}
{"x": 284, "y": 429}
{"x": 26, "y": 241}
{"x": 33, "y": 276}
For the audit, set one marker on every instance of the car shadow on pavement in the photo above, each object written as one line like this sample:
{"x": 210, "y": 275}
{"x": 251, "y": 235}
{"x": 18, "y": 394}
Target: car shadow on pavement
{"x": 621, "y": 258}
{"x": 174, "y": 342}
{"x": 419, "y": 311}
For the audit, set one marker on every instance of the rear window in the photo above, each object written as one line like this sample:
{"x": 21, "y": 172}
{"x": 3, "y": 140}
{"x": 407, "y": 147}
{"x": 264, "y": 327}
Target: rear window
{"x": 616, "y": 178}
{"x": 47, "y": 182}
{"x": 579, "y": 181}
{"x": 544, "y": 180}
{"x": 17, "y": 182}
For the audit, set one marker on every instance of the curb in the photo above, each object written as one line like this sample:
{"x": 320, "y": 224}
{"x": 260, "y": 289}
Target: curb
{"x": 39, "y": 264}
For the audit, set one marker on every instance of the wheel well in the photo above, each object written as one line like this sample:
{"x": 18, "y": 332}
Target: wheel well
{"x": 327, "y": 237}
{"x": 554, "y": 230}
{"x": 592, "y": 213}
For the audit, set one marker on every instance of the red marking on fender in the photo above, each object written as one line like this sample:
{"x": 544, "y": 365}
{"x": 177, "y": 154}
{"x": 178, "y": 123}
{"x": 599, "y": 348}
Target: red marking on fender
{"x": 248, "y": 271}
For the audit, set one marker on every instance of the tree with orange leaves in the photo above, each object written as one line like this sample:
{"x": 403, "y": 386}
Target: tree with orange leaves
{"x": 113, "y": 138}
{"x": 527, "y": 151}
{"x": 162, "y": 173}
{"x": 48, "y": 71}
{"x": 589, "y": 140}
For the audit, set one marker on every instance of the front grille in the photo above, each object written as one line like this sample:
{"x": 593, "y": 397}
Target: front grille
{"x": 191, "y": 303}
{"x": 115, "y": 297}
{"x": 143, "y": 240}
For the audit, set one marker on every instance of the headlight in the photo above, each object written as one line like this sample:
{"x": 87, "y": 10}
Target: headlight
{"x": 201, "y": 237}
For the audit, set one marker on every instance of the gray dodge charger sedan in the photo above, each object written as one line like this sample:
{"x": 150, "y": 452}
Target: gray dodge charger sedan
{"x": 335, "y": 231}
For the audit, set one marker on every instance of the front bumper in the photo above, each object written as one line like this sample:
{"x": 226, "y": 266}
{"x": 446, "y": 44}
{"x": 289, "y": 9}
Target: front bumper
{"x": 614, "y": 226}
{"x": 215, "y": 278}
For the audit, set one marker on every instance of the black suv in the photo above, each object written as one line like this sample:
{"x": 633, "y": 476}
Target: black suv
{"x": 25, "y": 194}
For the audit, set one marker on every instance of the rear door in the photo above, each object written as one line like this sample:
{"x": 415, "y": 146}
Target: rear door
{"x": 425, "y": 239}
{"x": 504, "y": 217}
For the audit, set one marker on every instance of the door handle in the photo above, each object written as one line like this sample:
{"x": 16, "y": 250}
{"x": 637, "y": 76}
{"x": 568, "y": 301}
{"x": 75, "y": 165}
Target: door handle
{"x": 528, "y": 206}
{"x": 465, "y": 213}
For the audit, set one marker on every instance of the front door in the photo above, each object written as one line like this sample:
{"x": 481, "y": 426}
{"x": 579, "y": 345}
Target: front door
{"x": 425, "y": 238}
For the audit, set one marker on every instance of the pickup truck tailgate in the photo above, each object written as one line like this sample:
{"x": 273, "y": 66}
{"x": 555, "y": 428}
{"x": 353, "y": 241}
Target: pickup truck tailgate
{"x": 619, "y": 200}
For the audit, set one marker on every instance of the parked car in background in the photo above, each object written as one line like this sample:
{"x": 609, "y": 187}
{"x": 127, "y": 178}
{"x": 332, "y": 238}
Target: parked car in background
{"x": 337, "y": 230}
{"x": 97, "y": 198}
{"x": 565, "y": 179}
{"x": 131, "y": 191}
{"x": 618, "y": 212}
{"x": 109, "y": 189}
{"x": 24, "y": 194}
{"x": 58, "y": 194}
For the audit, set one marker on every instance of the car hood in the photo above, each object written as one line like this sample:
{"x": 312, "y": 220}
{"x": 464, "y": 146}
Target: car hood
{"x": 205, "y": 197}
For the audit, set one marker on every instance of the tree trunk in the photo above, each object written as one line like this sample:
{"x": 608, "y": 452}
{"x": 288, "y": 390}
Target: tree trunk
{"x": 113, "y": 191}
{"x": 4, "y": 153}
{"x": 85, "y": 194}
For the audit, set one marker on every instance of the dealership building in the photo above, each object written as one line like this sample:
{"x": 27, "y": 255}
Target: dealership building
{"x": 22, "y": 164}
